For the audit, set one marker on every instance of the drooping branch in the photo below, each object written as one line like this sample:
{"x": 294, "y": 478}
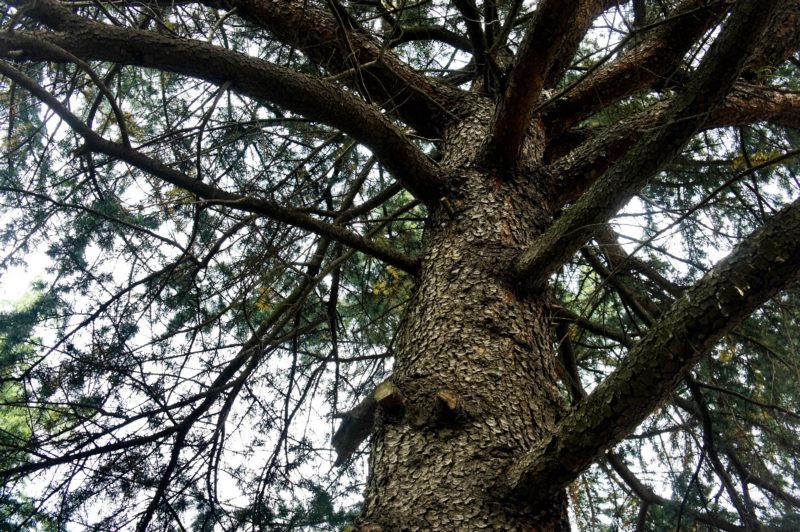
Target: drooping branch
{"x": 355, "y": 57}
{"x": 767, "y": 482}
{"x": 760, "y": 266}
{"x": 745, "y": 511}
{"x": 705, "y": 92}
{"x": 311, "y": 97}
{"x": 206, "y": 192}
{"x": 553, "y": 32}
{"x": 647, "y": 495}
{"x": 244, "y": 363}
{"x": 642, "y": 491}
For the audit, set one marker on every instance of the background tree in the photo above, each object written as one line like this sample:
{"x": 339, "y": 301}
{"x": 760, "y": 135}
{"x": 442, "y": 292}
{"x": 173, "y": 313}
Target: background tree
{"x": 486, "y": 234}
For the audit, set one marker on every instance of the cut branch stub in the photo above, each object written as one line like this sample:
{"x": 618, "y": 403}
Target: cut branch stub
{"x": 389, "y": 398}
{"x": 357, "y": 423}
{"x": 448, "y": 405}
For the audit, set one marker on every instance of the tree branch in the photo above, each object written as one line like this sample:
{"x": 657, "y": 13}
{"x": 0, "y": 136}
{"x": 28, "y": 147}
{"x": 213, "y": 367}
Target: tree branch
{"x": 553, "y": 32}
{"x": 646, "y": 494}
{"x": 311, "y": 97}
{"x": 654, "y": 59}
{"x": 431, "y": 33}
{"x": 207, "y": 192}
{"x": 573, "y": 173}
{"x": 705, "y": 92}
{"x": 387, "y": 81}
{"x": 759, "y": 267}
{"x": 472, "y": 20}
{"x": 783, "y": 39}
{"x": 564, "y": 314}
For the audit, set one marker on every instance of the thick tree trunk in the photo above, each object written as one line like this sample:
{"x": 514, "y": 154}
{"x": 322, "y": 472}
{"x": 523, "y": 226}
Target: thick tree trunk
{"x": 474, "y": 366}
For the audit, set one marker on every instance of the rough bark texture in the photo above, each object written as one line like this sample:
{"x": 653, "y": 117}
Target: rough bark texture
{"x": 470, "y": 431}
{"x": 469, "y": 332}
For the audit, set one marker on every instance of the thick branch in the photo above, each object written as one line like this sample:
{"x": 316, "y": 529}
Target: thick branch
{"x": 782, "y": 39}
{"x": 654, "y": 59}
{"x": 751, "y": 103}
{"x": 376, "y": 72}
{"x": 472, "y": 20}
{"x": 300, "y": 93}
{"x": 746, "y": 104}
{"x": 556, "y": 27}
{"x": 207, "y": 192}
{"x": 705, "y": 92}
{"x": 764, "y": 263}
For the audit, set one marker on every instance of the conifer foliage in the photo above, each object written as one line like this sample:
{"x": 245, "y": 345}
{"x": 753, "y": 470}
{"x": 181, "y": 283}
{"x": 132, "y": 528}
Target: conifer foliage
{"x": 401, "y": 265}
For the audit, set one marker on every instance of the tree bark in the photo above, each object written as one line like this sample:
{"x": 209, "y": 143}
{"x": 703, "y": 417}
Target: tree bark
{"x": 470, "y": 432}
{"x": 474, "y": 364}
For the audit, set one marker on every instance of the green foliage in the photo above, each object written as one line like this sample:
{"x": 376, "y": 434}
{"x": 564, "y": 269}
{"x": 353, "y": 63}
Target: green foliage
{"x": 153, "y": 295}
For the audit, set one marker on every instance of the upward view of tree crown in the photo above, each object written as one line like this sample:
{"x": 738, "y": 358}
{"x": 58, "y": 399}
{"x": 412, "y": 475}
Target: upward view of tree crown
{"x": 401, "y": 265}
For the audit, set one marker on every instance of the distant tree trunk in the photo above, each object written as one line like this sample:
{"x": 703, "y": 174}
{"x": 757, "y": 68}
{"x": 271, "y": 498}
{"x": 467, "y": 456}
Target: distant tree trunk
{"x": 474, "y": 365}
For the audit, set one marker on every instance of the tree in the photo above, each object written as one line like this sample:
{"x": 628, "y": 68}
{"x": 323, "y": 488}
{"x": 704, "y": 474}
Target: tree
{"x": 440, "y": 223}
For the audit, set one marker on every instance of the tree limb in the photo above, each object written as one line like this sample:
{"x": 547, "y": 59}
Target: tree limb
{"x": 759, "y": 267}
{"x": 205, "y": 191}
{"x": 705, "y": 92}
{"x": 431, "y": 33}
{"x": 654, "y": 59}
{"x": 387, "y": 81}
{"x": 646, "y": 494}
{"x": 553, "y": 32}
{"x": 311, "y": 97}
{"x": 573, "y": 173}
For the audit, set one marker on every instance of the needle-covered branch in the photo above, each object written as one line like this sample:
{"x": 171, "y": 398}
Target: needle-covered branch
{"x": 306, "y": 95}
{"x": 552, "y": 33}
{"x": 206, "y": 192}
{"x": 688, "y": 111}
{"x": 764, "y": 263}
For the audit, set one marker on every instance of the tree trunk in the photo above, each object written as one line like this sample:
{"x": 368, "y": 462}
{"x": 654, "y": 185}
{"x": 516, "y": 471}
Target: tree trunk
{"x": 474, "y": 365}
